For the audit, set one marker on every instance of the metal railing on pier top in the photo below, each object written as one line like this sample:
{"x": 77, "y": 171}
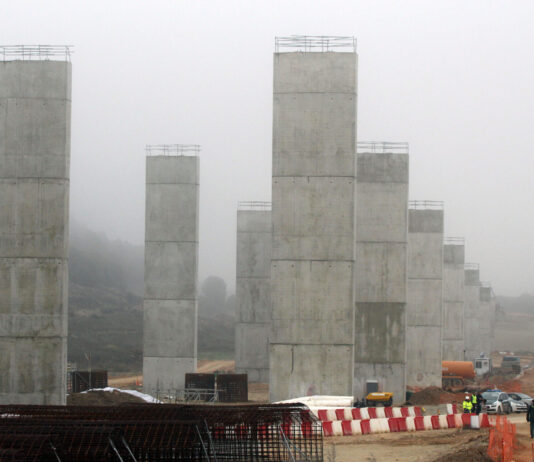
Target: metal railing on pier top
{"x": 472, "y": 266}
{"x": 314, "y": 43}
{"x": 454, "y": 241}
{"x": 425, "y": 205}
{"x": 172, "y": 149}
{"x": 35, "y": 52}
{"x": 383, "y": 147}
{"x": 254, "y": 205}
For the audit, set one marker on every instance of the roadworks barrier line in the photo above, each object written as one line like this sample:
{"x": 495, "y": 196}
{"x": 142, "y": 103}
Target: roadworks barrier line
{"x": 332, "y": 414}
{"x": 403, "y": 424}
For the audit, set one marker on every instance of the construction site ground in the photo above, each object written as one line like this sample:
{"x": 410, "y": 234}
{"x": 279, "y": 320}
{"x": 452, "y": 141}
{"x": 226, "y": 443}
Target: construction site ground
{"x": 432, "y": 446}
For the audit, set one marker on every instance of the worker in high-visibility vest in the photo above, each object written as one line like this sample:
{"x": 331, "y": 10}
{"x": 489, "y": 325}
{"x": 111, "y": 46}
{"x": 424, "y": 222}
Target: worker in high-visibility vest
{"x": 467, "y": 405}
{"x": 475, "y": 403}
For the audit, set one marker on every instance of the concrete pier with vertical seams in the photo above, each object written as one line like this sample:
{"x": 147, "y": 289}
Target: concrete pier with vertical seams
{"x": 171, "y": 271}
{"x": 313, "y": 216}
{"x": 424, "y": 295}
{"x": 253, "y": 293}
{"x": 381, "y": 247}
{"x": 35, "y": 106}
{"x": 472, "y": 312}
{"x": 453, "y": 300}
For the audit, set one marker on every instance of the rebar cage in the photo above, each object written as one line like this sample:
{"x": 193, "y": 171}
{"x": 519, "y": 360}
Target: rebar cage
{"x": 165, "y": 432}
{"x": 315, "y": 43}
{"x": 36, "y": 52}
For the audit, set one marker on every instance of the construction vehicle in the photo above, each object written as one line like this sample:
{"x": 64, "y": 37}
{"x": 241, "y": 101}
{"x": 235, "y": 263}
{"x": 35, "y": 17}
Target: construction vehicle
{"x": 376, "y": 397}
{"x": 455, "y": 373}
{"x": 511, "y": 364}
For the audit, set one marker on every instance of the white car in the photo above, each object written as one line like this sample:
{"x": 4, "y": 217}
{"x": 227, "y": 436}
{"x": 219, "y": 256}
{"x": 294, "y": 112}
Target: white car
{"x": 521, "y": 397}
{"x": 497, "y": 402}
{"x": 518, "y": 406}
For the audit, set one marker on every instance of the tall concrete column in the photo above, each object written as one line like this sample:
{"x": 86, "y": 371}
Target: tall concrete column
{"x": 35, "y": 103}
{"x": 171, "y": 266}
{"x": 381, "y": 246}
{"x": 253, "y": 290}
{"x": 453, "y": 299}
{"x": 425, "y": 293}
{"x": 312, "y": 272}
{"x": 486, "y": 319}
{"x": 472, "y": 312}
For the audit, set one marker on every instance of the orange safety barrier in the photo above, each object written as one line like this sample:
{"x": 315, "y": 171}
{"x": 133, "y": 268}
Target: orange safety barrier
{"x": 466, "y": 420}
{"x": 405, "y": 412}
{"x": 417, "y": 411}
{"x": 366, "y": 426}
{"x": 372, "y": 412}
{"x": 435, "y": 422}
{"x": 356, "y": 414}
{"x": 340, "y": 414}
{"x": 502, "y": 440}
{"x": 388, "y": 412}
{"x": 419, "y": 423}
{"x": 322, "y": 414}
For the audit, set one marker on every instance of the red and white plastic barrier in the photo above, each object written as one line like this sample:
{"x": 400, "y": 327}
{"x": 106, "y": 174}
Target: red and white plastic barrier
{"x": 403, "y": 424}
{"x": 364, "y": 413}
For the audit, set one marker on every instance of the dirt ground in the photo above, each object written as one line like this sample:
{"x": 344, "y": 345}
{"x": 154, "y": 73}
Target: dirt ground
{"x": 428, "y": 446}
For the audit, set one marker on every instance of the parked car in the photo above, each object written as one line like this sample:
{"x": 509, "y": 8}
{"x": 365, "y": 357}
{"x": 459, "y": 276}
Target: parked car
{"x": 518, "y": 406}
{"x": 521, "y": 397}
{"x": 497, "y": 402}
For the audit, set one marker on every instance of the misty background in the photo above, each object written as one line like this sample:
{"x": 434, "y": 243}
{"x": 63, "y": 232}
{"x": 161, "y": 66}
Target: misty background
{"x": 452, "y": 78}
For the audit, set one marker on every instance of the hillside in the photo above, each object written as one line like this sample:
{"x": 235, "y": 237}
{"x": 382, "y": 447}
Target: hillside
{"x": 105, "y": 306}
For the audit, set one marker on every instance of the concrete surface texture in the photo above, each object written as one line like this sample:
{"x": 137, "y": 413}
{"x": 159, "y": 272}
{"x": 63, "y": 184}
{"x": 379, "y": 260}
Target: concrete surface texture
{"x": 253, "y": 294}
{"x": 313, "y": 214}
{"x": 35, "y": 105}
{"x": 453, "y": 300}
{"x": 424, "y": 296}
{"x": 171, "y": 271}
{"x": 486, "y": 320}
{"x": 472, "y": 312}
{"x": 380, "y": 289}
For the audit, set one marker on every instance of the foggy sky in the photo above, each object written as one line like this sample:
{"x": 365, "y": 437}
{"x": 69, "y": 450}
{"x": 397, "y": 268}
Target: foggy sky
{"x": 453, "y": 78}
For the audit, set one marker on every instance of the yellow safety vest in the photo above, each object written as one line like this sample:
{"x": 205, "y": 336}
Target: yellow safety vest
{"x": 468, "y": 405}
{"x": 474, "y": 399}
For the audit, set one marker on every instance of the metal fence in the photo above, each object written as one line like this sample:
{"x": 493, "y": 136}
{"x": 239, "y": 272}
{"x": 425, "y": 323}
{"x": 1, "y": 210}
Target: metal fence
{"x": 383, "y": 147}
{"x": 425, "y": 205}
{"x": 35, "y": 52}
{"x": 172, "y": 149}
{"x": 150, "y": 432}
{"x": 315, "y": 43}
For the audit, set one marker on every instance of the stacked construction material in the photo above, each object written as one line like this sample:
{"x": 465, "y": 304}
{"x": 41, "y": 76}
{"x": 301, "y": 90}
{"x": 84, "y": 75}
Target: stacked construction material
{"x": 159, "y": 432}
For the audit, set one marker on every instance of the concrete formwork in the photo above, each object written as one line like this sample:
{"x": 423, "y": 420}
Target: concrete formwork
{"x": 453, "y": 299}
{"x": 35, "y": 104}
{"x": 472, "y": 312}
{"x": 171, "y": 271}
{"x": 253, "y": 291}
{"x": 381, "y": 251}
{"x": 312, "y": 279}
{"x": 424, "y": 294}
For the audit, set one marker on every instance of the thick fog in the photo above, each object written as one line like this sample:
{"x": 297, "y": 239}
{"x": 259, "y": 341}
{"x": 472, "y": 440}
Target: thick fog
{"x": 453, "y": 78}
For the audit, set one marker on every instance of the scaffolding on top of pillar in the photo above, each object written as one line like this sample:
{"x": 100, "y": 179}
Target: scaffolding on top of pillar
{"x": 454, "y": 241}
{"x": 172, "y": 149}
{"x": 35, "y": 52}
{"x": 382, "y": 147}
{"x": 315, "y": 43}
{"x": 254, "y": 205}
{"x": 425, "y": 205}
